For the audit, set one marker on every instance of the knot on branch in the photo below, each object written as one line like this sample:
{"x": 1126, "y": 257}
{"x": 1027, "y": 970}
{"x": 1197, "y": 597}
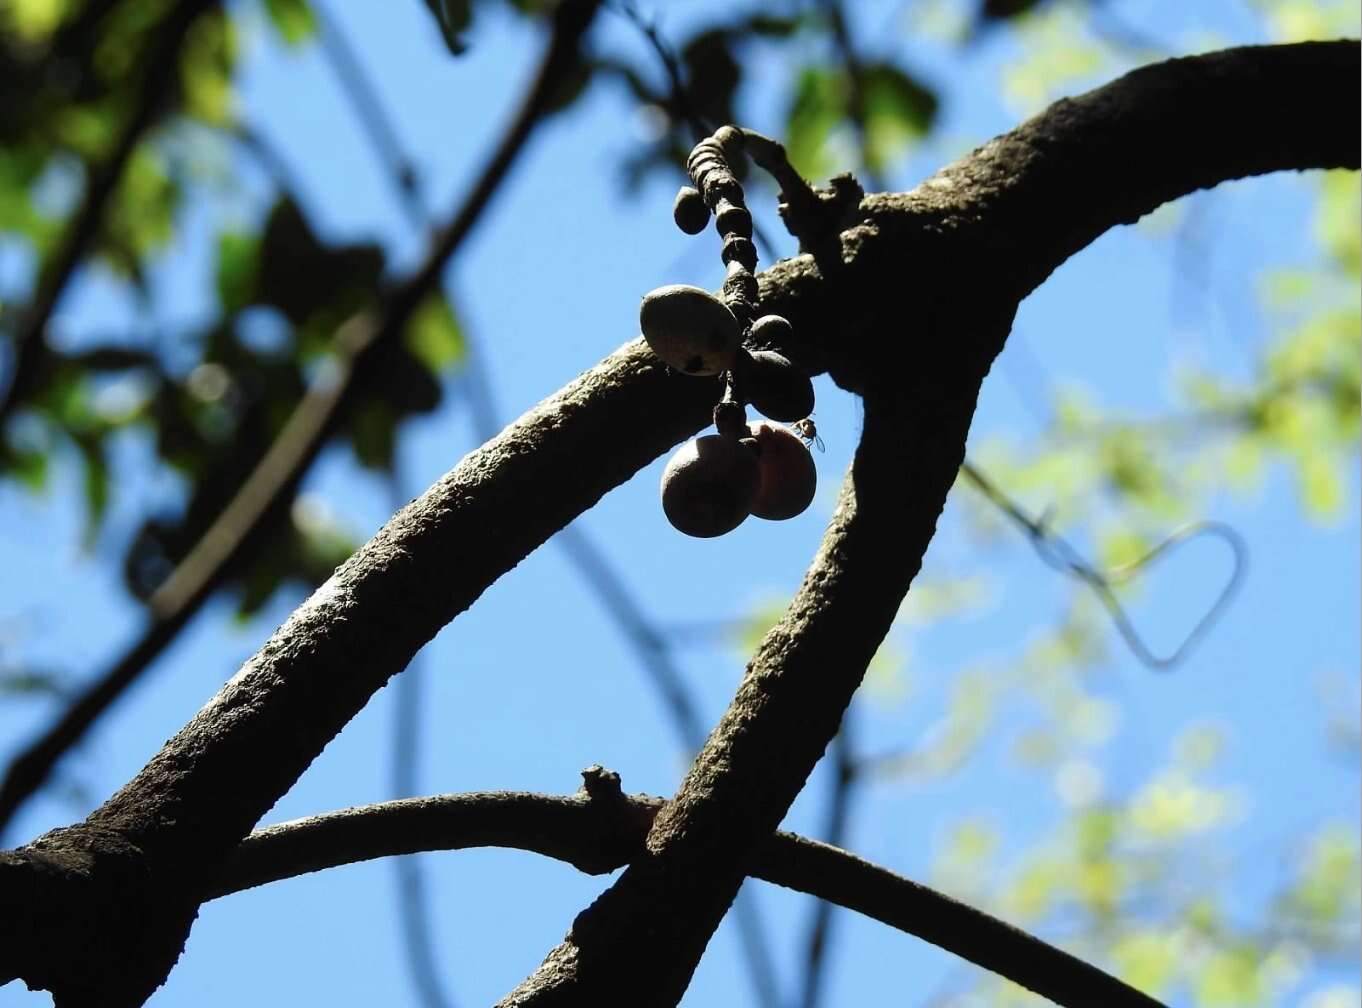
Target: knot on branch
{"x": 620, "y": 823}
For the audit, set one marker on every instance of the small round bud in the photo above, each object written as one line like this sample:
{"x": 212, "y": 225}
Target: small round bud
{"x": 689, "y": 329}
{"x": 731, "y": 219}
{"x": 772, "y": 330}
{"x": 709, "y": 485}
{"x": 731, "y": 139}
{"x": 777, "y": 388}
{"x": 689, "y": 210}
{"x": 788, "y": 477}
{"x": 739, "y": 249}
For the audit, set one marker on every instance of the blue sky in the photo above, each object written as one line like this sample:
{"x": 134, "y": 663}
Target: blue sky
{"x": 535, "y": 682}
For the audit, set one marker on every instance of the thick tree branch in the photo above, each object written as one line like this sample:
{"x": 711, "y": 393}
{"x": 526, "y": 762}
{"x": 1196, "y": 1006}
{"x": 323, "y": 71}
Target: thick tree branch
{"x": 1027, "y": 200}
{"x": 648, "y": 930}
{"x": 359, "y": 348}
{"x": 972, "y": 240}
{"x": 600, "y": 833}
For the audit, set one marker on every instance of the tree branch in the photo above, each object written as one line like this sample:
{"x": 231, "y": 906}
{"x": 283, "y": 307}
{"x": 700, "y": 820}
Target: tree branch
{"x": 599, "y": 833}
{"x": 970, "y": 240}
{"x": 359, "y": 346}
{"x": 162, "y": 63}
{"x": 648, "y": 930}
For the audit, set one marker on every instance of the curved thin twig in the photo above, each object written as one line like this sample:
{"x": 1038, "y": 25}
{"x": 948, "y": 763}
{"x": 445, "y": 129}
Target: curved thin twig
{"x": 599, "y": 832}
{"x": 359, "y": 344}
{"x": 1059, "y": 554}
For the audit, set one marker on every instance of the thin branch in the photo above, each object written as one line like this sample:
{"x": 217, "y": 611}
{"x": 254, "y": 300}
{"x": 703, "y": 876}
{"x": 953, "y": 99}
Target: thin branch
{"x": 413, "y": 906}
{"x": 602, "y": 832}
{"x": 649, "y": 929}
{"x": 586, "y": 558}
{"x": 678, "y": 93}
{"x": 162, "y": 64}
{"x": 372, "y": 115}
{"x": 359, "y": 346}
{"x": 820, "y": 932}
{"x": 971, "y": 241}
{"x": 1060, "y": 555}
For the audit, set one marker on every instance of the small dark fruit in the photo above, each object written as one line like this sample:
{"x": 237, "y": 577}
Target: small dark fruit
{"x": 689, "y": 210}
{"x": 689, "y": 329}
{"x": 788, "y": 477}
{"x": 709, "y": 485}
{"x": 777, "y": 388}
{"x": 772, "y": 330}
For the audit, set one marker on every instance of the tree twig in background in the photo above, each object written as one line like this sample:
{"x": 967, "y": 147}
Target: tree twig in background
{"x": 359, "y": 343}
{"x": 162, "y": 62}
{"x": 599, "y": 829}
{"x": 413, "y": 904}
{"x": 1058, "y": 554}
{"x": 372, "y": 115}
{"x": 411, "y": 884}
{"x": 590, "y": 563}
{"x": 822, "y": 926}
{"x": 678, "y": 94}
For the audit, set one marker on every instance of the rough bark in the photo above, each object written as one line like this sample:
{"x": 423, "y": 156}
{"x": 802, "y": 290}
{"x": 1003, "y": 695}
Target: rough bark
{"x": 600, "y": 829}
{"x": 98, "y": 912}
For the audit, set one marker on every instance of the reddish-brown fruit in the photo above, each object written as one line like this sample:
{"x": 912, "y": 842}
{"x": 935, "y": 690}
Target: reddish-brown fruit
{"x": 709, "y": 485}
{"x": 787, "y": 473}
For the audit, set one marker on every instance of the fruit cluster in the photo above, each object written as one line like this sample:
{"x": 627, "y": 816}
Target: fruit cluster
{"x": 714, "y": 482}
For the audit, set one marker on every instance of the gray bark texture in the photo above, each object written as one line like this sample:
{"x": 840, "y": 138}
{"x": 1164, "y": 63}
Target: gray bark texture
{"x": 909, "y": 315}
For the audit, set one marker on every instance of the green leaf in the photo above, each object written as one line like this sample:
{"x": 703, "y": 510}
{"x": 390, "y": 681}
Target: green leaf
{"x": 33, "y": 20}
{"x": 96, "y": 484}
{"x": 206, "y": 68}
{"x": 238, "y": 263}
{"x": 818, "y": 105}
{"x": 898, "y": 109}
{"x": 453, "y": 17}
{"x": 372, "y": 431}
{"x": 293, "y": 20}
{"x": 434, "y": 336}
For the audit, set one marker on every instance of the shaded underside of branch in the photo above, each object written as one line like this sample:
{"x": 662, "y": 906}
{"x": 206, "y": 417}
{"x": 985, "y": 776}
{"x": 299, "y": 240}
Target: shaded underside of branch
{"x": 599, "y": 833}
{"x": 965, "y": 246}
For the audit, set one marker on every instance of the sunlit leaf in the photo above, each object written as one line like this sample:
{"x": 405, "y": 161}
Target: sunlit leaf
{"x": 818, "y": 105}
{"x": 898, "y": 110}
{"x": 434, "y": 335}
{"x": 206, "y": 64}
{"x": 293, "y": 20}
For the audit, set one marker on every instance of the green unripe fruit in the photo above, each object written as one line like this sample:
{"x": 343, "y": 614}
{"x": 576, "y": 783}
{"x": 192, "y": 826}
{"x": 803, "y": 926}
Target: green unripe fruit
{"x": 709, "y": 485}
{"x": 689, "y": 329}
{"x": 788, "y": 477}
{"x": 777, "y": 388}
{"x": 689, "y": 211}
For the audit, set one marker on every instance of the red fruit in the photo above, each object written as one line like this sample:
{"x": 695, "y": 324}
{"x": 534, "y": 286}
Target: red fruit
{"x": 787, "y": 473}
{"x": 709, "y": 485}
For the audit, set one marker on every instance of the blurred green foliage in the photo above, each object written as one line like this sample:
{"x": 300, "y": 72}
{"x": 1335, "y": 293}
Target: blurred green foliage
{"x": 1122, "y": 878}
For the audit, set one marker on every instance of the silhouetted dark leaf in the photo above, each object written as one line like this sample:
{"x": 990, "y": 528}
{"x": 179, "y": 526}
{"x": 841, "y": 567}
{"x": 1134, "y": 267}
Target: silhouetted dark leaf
{"x": 453, "y": 18}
